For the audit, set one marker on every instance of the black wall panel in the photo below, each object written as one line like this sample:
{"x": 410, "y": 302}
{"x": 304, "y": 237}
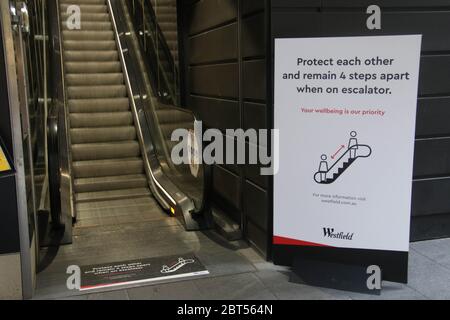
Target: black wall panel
{"x": 430, "y": 197}
{"x": 251, "y": 6}
{"x": 430, "y": 226}
{"x": 432, "y": 158}
{"x": 434, "y": 75}
{"x": 433, "y": 116}
{"x": 255, "y": 205}
{"x": 432, "y": 25}
{"x": 216, "y": 113}
{"x": 205, "y": 15}
{"x": 226, "y": 183}
{"x": 9, "y": 225}
{"x": 224, "y": 48}
{"x": 5, "y": 120}
{"x": 253, "y": 40}
{"x": 226, "y": 75}
{"x": 424, "y": 4}
{"x": 225, "y": 67}
{"x": 255, "y": 115}
{"x": 254, "y": 80}
{"x": 220, "y": 80}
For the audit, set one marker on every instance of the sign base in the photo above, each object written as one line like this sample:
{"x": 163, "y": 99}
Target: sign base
{"x": 393, "y": 263}
{"x": 332, "y": 275}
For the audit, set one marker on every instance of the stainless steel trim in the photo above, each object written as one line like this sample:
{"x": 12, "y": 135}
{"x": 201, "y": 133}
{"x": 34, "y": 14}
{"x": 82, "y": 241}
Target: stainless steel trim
{"x": 23, "y": 82}
{"x": 67, "y": 195}
{"x": 156, "y": 186}
{"x": 157, "y": 180}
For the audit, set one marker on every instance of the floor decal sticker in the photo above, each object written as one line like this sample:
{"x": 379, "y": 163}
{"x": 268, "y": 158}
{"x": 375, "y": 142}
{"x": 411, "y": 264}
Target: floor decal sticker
{"x": 140, "y": 271}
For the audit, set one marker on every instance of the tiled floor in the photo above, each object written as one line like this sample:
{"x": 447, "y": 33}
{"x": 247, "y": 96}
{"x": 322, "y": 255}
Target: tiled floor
{"x": 236, "y": 270}
{"x": 429, "y": 279}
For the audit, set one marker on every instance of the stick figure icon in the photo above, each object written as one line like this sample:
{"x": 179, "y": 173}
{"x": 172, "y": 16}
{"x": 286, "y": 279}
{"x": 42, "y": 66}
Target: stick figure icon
{"x": 323, "y": 168}
{"x": 353, "y": 144}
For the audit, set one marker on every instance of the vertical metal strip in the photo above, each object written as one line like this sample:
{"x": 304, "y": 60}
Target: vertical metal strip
{"x": 269, "y": 119}
{"x": 241, "y": 116}
{"x": 13, "y": 96}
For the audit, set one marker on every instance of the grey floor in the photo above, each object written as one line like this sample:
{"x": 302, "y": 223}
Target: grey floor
{"x": 236, "y": 270}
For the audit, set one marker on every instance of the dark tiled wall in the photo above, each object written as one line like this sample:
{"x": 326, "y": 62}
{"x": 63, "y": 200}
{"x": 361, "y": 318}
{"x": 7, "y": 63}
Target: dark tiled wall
{"x": 224, "y": 45}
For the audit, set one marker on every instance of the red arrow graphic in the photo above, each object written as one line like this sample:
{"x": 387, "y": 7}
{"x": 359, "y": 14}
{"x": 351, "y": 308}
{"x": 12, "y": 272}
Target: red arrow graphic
{"x": 337, "y": 152}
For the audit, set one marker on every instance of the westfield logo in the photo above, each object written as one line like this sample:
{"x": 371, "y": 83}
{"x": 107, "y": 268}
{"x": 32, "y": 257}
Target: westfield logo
{"x": 331, "y": 233}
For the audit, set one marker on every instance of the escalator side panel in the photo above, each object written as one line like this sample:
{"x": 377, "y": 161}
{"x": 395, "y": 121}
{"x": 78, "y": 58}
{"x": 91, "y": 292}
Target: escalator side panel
{"x": 163, "y": 187}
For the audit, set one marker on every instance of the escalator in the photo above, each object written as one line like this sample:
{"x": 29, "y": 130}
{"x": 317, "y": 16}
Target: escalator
{"x": 103, "y": 109}
{"x": 111, "y": 122}
{"x": 106, "y": 156}
{"x": 343, "y": 163}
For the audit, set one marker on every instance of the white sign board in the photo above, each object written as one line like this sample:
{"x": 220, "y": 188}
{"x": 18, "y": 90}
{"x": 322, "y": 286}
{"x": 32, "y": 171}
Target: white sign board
{"x": 346, "y": 111}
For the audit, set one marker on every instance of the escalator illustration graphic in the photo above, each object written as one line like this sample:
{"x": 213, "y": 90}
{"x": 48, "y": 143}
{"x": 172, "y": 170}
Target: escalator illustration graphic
{"x": 176, "y": 266}
{"x": 342, "y": 164}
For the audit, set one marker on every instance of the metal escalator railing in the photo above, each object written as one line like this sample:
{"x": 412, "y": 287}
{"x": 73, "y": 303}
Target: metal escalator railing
{"x": 165, "y": 79}
{"x": 173, "y": 185}
{"x": 60, "y": 165}
{"x": 165, "y": 115}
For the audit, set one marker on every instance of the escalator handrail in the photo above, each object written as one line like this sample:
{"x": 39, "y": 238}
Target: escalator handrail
{"x": 54, "y": 176}
{"x": 166, "y": 49}
{"x": 207, "y": 170}
{"x": 59, "y": 104}
{"x": 139, "y": 95}
{"x": 160, "y": 39}
{"x": 136, "y": 100}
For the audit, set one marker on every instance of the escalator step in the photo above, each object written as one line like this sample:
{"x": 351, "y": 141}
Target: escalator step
{"x": 96, "y": 92}
{"x": 88, "y": 55}
{"x": 98, "y": 105}
{"x": 91, "y": 25}
{"x": 105, "y": 168}
{"x": 93, "y": 67}
{"x": 89, "y": 45}
{"x": 171, "y": 35}
{"x": 86, "y": 8}
{"x": 110, "y": 183}
{"x": 105, "y": 150}
{"x": 112, "y": 195}
{"x": 107, "y": 205}
{"x": 165, "y": 17}
{"x": 82, "y": 1}
{"x": 94, "y": 79}
{"x": 166, "y": 10}
{"x": 170, "y": 25}
{"x": 87, "y": 35}
{"x": 93, "y": 135}
{"x": 105, "y": 153}
{"x": 87, "y": 17}
{"x": 97, "y": 120}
